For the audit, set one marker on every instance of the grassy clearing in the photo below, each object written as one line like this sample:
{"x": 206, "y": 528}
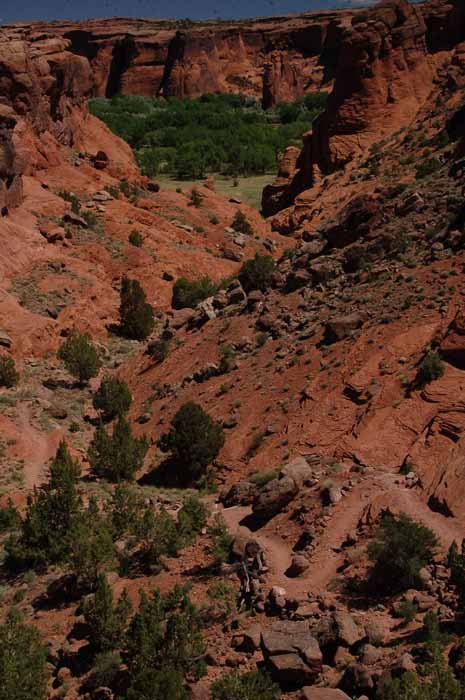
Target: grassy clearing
{"x": 249, "y": 189}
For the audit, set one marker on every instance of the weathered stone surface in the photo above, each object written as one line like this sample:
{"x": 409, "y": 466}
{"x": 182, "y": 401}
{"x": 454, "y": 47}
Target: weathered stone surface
{"x": 299, "y": 470}
{"x": 313, "y": 693}
{"x": 291, "y": 653}
{"x": 340, "y": 327}
{"x": 274, "y": 496}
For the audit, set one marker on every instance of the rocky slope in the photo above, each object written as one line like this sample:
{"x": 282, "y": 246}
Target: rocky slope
{"x": 320, "y": 387}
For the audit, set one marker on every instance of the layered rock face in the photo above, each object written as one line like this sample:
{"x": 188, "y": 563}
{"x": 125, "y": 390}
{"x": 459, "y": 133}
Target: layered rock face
{"x": 272, "y": 59}
{"x": 44, "y": 89}
{"x": 384, "y": 75}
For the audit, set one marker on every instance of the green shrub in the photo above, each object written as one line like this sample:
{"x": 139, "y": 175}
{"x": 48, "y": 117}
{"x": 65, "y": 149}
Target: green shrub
{"x": 80, "y": 357}
{"x": 428, "y": 167}
{"x": 8, "y": 375}
{"x": 158, "y": 535}
{"x": 163, "y": 684}
{"x": 22, "y": 661}
{"x": 222, "y": 604}
{"x": 192, "y": 518}
{"x": 71, "y": 199}
{"x": 241, "y": 224}
{"x": 105, "y": 669}
{"x": 123, "y": 511}
{"x": 106, "y": 621}
{"x": 136, "y": 239}
{"x": 407, "y": 610}
{"x": 221, "y": 540}
{"x": 188, "y": 294}
{"x": 9, "y": 517}
{"x": 112, "y": 398}
{"x": 164, "y": 633}
{"x": 136, "y": 314}
{"x": 401, "y": 549}
{"x": 262, "y": 478}
{"x": 91, "y": 548}
{"x": 254, "y": 685}
{"x": 117, "y": 456}
{"x": 193, "y": 441}
{"x": 195, "y": 198}
{"x": 159, "y": 349}
{"x": 430, "y": 368}
{"x": 257, "y": 273}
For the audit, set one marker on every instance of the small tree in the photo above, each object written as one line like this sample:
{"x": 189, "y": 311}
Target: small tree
{"x": 164, "y": 633}
{"x": 112, "y": 398}
{"x": 192, "y": 518}
{"x": 22, "y": 661}
{"x": 80, "y": 357}
{"x": 117, "y": 456}
{"x": 430, "y": 368}
{"x": 221, "y": 540}
{"x": 123, "y": 511}
{"x": 8, "y": 375}
{"x": 51, "y": 509}
{"x": 158, "y": 535}
{"x": 401, "y": 549}
{"x": 136, "y": 314}
{"x": 107, "y": 621}
{"x": 241, "y": 224}
{"x": 195, "y": 198}
{"x": 254, "y": 685}
{"x": 91, "y": 548}
{"x": 136, "y": 239}
{"x": 194, "y": 441}
{"x": 257, "y": 273}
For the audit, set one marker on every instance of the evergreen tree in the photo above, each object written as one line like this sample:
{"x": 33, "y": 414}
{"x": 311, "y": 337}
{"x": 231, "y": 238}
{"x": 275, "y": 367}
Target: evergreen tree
{"x": 8, "y": 375}
{"x": 158, "y": 536}
{"x": 112, "y": 398}
{"x": 401, "y": 549}
{"x": 194, "y": 441}
{"x": 51, "y": 508}
{"x": 117, "y": 456}
{"x": 164, "y": 633}
{"x": 80, "y": 357}
{"x": 123, "y": 511}
{"x": 22, "y": 661}
{"x": 107, "y": 621}
{"x": 163, "y": 684}
{"x": 136, "y": 314}
{"x": 91, "y": 549}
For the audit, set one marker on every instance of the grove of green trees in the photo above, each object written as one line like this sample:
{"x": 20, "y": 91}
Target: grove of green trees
{"x": 221, "y": 133}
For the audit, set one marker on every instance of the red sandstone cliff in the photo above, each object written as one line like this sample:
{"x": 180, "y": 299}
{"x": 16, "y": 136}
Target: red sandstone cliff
{"x": 384, "y": 75}
{"x": 272, "y": 59}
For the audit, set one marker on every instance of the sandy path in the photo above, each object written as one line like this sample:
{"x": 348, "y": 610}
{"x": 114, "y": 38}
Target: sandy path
{"x": 35, "y": 447}
{"x": 345, "y": 516}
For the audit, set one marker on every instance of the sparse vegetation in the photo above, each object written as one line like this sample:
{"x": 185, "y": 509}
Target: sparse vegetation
{"x": 430, "y": 368}
{"x": 136, "y": 239}
{"x": 241, "y": 224}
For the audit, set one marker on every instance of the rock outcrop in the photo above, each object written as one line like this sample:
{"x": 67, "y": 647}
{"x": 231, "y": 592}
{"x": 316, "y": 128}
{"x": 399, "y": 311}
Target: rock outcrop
{"x": 384, "y": 75}
{"x": 272, "y": 59}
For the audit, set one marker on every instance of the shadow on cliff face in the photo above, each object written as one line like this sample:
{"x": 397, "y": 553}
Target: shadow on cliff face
{"x": 124, "y": 52}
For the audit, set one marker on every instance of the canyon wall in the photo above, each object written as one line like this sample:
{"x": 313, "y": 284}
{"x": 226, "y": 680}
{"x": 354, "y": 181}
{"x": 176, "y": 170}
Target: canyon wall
{"x": 271, "y": 59}
{"x": 385, "y": 73}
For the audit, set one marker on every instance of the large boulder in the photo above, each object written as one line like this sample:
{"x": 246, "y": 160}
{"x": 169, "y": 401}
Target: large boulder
{"x": 299, "y": 470}
{"x": 273, "y": 497}
{"x": 313, "y": 693}
{"x": 341, "y": 327}
{"x": 292, "y": 654}
{"x": 241, "y": 493}
{"x": 339, "y": 629}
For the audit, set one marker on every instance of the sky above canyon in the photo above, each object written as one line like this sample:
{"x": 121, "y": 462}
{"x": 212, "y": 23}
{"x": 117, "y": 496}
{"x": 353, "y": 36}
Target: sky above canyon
{"x": 25, "y": 10}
